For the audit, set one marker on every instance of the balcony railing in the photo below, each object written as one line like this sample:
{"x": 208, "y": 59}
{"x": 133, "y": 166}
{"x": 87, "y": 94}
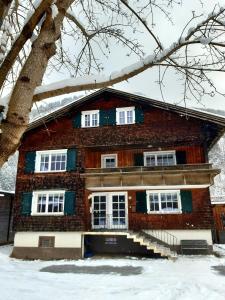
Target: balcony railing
{"x": 135, "y": 169}
{"x": 178, "y": 175}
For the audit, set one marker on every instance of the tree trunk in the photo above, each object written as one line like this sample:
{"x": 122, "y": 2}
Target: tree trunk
{"x": 30, "y": 77}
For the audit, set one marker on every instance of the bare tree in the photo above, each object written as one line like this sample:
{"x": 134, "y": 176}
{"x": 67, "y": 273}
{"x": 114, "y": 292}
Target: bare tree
{"x": 72, "y": 36}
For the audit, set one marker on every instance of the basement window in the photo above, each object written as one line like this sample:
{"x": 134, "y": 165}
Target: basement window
{"x": 46, "y": 241}
{"x": 163, "y": 202}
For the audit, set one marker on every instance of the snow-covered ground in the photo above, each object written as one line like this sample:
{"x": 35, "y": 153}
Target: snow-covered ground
{"x": 188, "y": 278}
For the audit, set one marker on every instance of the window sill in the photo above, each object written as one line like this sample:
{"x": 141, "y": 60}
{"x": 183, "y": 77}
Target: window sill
{"x": 86, "y": 127}
{"x": 47, "y": 214}
{"x": 57, "y": 171}
{"x": 164, "y": 212}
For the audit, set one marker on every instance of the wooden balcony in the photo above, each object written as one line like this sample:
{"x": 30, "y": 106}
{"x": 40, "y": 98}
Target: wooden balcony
{"x": 163, "y": 177}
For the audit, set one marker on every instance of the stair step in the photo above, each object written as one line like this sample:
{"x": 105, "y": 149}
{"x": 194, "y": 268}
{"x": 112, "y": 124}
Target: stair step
{"x": 152, "y": 245}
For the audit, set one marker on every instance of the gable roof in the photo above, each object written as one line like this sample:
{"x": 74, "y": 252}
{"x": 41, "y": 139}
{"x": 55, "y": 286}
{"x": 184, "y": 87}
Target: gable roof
{"x": 182, "y": 111}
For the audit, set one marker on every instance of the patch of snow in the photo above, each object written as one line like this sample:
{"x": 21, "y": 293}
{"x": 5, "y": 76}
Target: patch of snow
{"x": 5, "y": 102}
{"x": 205, "y": 41}
{"x": 55, "y": 11}
{"x": 190, "y": 277}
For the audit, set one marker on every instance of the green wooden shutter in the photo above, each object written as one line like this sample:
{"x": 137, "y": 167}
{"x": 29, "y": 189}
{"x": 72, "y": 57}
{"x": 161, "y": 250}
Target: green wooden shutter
{"x": 107, "y": 117}
{"x": 139, "y": 115}
{"x": 186, "y": 201}
{"x": 141, "y": 202}
{"x": 103, "y": 118}
{"x": 69, "y": 204}
{"x": 71, "y": 164}
{"x": 138, "y": 159}
{"x": 26, "y": 202}
{"x": 112, "y": 116}
{"x": 30, "y": 162}
{"x": 77, "y": 121}
{"x": 181, "y": 157}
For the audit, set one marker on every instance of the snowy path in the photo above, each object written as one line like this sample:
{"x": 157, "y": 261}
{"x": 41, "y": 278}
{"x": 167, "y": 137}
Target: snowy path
{"x": 188, "y": 278}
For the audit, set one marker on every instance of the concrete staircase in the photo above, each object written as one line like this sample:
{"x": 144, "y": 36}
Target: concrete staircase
{"x": 152, "y": 244}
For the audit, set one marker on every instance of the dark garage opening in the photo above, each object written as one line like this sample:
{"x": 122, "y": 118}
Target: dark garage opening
{"x": 114, "y": 245}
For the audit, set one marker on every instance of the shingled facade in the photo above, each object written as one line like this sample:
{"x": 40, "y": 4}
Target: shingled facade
{"x": 109, "y": 165}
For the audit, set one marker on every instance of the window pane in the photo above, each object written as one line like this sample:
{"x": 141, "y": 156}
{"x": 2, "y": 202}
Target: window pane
{"x": 150, "y": 160}
{"x": 94, "y": 119}
{"x": 41, "y": 203}
{"x": 154, "y": 202}
{"x": 44, "y": 163}
{"x": 122, "y": 117}
{"x": 58, "y": 162}
{"x": 110, "y": 162}
{"x": 87, "y": 122}
{"x": 130, "y": 117}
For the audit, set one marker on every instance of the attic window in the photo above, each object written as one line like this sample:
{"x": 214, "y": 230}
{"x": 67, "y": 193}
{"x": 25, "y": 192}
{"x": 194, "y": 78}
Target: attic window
{"x": 90, "y": 118}
{"x": 125, "y": 115}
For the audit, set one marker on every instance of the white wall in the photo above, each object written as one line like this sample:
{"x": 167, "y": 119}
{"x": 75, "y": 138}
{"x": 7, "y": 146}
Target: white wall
{"x": 62, "y": 239}
{"x": 186, "y": 235}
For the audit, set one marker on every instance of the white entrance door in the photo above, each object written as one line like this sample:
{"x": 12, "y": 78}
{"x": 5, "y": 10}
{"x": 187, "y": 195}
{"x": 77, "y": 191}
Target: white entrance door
{"x": 109, "y": 210}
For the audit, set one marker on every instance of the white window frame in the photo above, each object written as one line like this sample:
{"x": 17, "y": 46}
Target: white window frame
{"x": 35, "y": 195}
{"x": 159, "y": 192}
{"x": 105, "y": 156}
{"x": 91, "y": 113}
{"x": 125, "y": 109}
{"x": 156, "y": 153}
{"x": 50, "y": 153}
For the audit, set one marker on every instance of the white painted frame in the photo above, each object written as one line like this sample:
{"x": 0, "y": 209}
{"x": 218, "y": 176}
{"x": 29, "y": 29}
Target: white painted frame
{"x": 125, "y": 109}
{"x": 156, "y": 153}
{"x": 50, "y": 153}
{"x": 47, "y": 193}
{"x": 159, "y": 192}
{"x": 105, "y": 156}
{"x": 91, "y": 113}
{"x": 109, "y": 209}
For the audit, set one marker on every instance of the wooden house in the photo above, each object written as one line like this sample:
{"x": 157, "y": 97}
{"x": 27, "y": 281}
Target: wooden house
{"x": 115, "y": 173}
{"x": 6, "y": 208}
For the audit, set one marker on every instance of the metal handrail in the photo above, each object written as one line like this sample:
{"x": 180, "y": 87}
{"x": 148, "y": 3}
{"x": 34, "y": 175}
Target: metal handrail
{"x": 164, "y": 236}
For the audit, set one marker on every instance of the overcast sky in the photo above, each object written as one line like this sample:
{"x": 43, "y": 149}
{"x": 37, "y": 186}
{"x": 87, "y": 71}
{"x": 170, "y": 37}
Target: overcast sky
{"x": 145, "y": 83}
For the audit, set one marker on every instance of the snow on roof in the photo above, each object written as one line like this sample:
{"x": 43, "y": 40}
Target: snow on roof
{"x": 7, "y": 192}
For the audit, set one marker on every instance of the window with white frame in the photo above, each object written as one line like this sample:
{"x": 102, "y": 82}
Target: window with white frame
{"x": 51, "y": 161}
{"x": 163, "y": 202}
{"x": 109, "y": 161}
{"x": 125, "y": 115}
{"x": 48, "y": 202}
{"x": 160, "y": 158}
{"x": 90, "y": 118}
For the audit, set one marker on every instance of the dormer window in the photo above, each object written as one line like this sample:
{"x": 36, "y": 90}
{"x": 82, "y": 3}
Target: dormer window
{"x": 90, "y": 118}
{"x": 125, "y": 115}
